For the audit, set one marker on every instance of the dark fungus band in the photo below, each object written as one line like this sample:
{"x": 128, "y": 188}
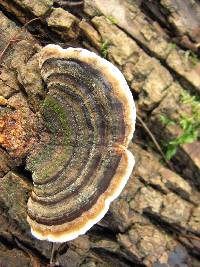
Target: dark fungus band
{"x": 90, "y": 114}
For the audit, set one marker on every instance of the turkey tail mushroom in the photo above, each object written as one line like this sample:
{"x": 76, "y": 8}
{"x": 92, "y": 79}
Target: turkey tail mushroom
{"x": 90, "y": 114}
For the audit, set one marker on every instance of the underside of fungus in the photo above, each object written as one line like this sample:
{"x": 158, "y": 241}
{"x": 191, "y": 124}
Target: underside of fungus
{"x": 90, "y": 116}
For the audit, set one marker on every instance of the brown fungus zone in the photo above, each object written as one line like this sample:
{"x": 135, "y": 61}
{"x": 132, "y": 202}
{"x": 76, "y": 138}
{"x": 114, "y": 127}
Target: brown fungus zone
{"x": 90, "y": 115}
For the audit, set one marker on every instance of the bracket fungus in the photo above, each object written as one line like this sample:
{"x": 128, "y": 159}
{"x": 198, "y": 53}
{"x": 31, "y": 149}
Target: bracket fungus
{"x": 90, "y": 115}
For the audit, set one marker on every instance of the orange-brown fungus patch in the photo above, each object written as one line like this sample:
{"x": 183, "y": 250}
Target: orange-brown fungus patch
{"x": 3, "y": 101}
{"x": 16, "y": 133}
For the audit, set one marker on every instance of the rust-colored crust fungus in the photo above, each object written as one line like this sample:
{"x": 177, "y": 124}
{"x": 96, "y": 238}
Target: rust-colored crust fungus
{"x": 90, "y": 114}
{"x": 14, "y": 136}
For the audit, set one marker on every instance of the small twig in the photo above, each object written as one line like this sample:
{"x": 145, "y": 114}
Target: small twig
{"x": 52, "y": 254}
{"x": 30, "y": 21}
{"x": 14, "y": 39}
{"x": 190, "y": 237}
{"x": 154, "y": 141}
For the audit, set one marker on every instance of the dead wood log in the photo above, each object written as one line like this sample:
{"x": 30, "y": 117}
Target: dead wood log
{"x": 155, "y": 221}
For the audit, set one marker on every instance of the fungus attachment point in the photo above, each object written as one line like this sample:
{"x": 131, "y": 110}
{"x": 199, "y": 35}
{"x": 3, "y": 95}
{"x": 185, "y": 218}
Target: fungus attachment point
{"x": 90, "y": 116}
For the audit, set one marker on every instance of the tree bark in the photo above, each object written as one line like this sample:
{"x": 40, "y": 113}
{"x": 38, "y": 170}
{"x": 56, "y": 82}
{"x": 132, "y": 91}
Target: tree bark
{"x": 156, "y": 219}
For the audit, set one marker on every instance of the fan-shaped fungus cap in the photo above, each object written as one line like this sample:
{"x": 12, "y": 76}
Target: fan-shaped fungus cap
{"x": 90, "y": 114}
